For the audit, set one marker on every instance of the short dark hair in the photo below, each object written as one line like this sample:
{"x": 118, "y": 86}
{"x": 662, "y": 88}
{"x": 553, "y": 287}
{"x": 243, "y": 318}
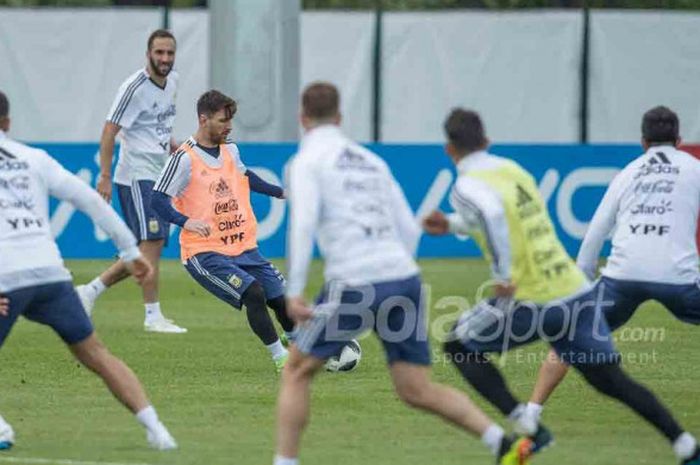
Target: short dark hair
{"x": 4, "y": 105}
{"x": 660, "y": 125}
{"x": 465, "y": 130}
{"x": 320, "y": 100}
{"x": 213, "y": 101}
{"x": 160, "y": 34}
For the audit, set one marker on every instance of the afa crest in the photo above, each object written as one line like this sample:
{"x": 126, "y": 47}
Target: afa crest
{"x": 235, "y": 281}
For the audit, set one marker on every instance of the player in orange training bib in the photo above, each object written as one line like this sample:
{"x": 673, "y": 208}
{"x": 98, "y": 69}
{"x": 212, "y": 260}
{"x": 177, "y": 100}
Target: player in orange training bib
{"x": 205, "y": 189}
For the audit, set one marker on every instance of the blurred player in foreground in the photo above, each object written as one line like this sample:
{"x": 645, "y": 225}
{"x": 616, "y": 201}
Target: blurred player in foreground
{"x": 39, "y": 287}
{"x": 346, "y": 197}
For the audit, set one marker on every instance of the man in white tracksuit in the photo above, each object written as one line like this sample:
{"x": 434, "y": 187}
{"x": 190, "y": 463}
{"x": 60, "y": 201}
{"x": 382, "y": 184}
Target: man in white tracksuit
{"x": 651, "y": 208}
{"x": 345, "y": 196}
{"x": 34, "y": 282}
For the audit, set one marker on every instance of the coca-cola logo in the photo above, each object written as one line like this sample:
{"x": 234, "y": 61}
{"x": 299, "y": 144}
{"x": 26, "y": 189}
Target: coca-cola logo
{"x": 226, "y": 207}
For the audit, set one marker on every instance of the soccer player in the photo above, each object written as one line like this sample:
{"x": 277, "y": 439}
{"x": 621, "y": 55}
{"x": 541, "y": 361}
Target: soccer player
{"x": 652, "y": 207}
{"x": 39, "y": 287}
{"x": 144, "y": 112}
{"x": 210, "y": 188}
{"x": 539, "y": 291}
{"x": 346, "y": 196}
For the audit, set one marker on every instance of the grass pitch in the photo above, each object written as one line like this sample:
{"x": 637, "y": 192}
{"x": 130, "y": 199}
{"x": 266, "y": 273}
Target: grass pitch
{"x": 215, "y": 388}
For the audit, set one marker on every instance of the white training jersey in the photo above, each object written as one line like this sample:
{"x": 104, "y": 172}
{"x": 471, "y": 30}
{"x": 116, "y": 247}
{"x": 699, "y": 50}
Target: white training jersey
{"x": 146, "y": 114}
{"x": 29, "y": 255}
{"x": 652, "y": 206}
{"x": 345, "y": 197}
{"x": 176, "y": 175}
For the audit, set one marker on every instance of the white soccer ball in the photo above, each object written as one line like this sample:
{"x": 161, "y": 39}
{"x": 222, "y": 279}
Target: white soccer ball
{"x": 347, "y": 360}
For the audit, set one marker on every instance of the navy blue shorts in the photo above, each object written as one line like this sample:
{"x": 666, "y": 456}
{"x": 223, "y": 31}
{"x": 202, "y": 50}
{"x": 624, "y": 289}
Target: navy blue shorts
{"x": 228, "y": 277}
{"x": 622, "y": 298}
{"x": 56, "y": 305}
{"x": 393, "y": 309}
{"x": 574, "y": 327}
{"x": 135, "y": 201}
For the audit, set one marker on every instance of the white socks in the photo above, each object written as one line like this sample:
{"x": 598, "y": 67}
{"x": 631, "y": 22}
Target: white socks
{"x": 153, "y": 311}
{"x": 492, "y": 437}
{"x": 533, "y": 410}
{"x": 279, "y": 460}
{"x": 276, "y": 349}
{"x": 685, "y": 446}
{"x": 526, "y": 418}
{"x": 148, "y": 418}
{"x": 97, "y": 287}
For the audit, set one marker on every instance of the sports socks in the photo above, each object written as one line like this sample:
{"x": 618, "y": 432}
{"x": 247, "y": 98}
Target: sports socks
{"x": 148, "y": 418}
{"x": 276, "y": 349}
{"x": 153, "y": 311}
{"x": 685, "y": 446}
{"x": 492, "y": 438}
{"x": 96, "y": 287}
{"x": 279, "y": 460}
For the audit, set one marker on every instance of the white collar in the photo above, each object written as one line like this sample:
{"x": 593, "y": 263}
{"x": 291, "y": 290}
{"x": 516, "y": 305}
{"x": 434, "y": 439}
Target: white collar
{"x": 471, "y": 161}
{"x": 322, "y": 131}
{"x": 2, "y": 135}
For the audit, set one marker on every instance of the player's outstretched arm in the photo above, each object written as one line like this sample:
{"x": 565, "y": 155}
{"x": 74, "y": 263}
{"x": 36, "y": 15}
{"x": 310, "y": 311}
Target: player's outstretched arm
{"x": 259, "y": 185}
{"x": 104, "y": 182}
{"x": 66, "y": 186}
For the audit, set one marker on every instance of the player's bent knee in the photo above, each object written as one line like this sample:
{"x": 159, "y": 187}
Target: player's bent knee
{"x": 90, "y": 352}
{"x": 254, "y": 294}
{"x": 608, "y": 379}
{"x": 413, "y": 394}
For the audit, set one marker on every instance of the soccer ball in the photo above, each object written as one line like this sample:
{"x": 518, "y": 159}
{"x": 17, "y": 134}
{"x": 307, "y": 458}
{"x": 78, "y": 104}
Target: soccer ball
{"x": 347, "y": 360}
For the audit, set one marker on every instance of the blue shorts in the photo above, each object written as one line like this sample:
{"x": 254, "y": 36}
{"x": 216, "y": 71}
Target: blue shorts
{"x": 135, "y": 201}
{"x": 574, "y": 327}
{"x": 228, "y": 277}
{"x": 393, "y": 309}
{"x": 56, "y": 305}
{"x": 622, "y": 298}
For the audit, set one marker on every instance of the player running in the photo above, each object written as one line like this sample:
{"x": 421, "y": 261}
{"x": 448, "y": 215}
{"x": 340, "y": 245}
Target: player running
{"x": 39, "y": 287}
{"x": 652, "y": 207}
{"x": 210, "y": 188}
{"x": 346, "y": 196}
{"x": 539, "y": 290}
{"x": 144, "y": 113}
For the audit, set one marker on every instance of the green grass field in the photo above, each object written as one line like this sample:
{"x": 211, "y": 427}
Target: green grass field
{"x": 215, "y": 388}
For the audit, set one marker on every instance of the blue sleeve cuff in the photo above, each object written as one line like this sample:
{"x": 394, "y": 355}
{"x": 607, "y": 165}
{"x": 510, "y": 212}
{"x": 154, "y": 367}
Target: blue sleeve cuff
{"x": 257, "y": 184}
{"x": 163, "y": 206}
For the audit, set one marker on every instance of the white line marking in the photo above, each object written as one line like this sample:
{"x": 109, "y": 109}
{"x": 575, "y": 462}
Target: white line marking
{"x": 34, "y": 460}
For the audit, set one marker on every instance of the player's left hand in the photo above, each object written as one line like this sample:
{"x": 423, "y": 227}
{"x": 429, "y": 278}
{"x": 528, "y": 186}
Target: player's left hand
{"x": 4, "y": 306}
{"x": 436, "y": 223}
{"x": 298, "y": 310}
